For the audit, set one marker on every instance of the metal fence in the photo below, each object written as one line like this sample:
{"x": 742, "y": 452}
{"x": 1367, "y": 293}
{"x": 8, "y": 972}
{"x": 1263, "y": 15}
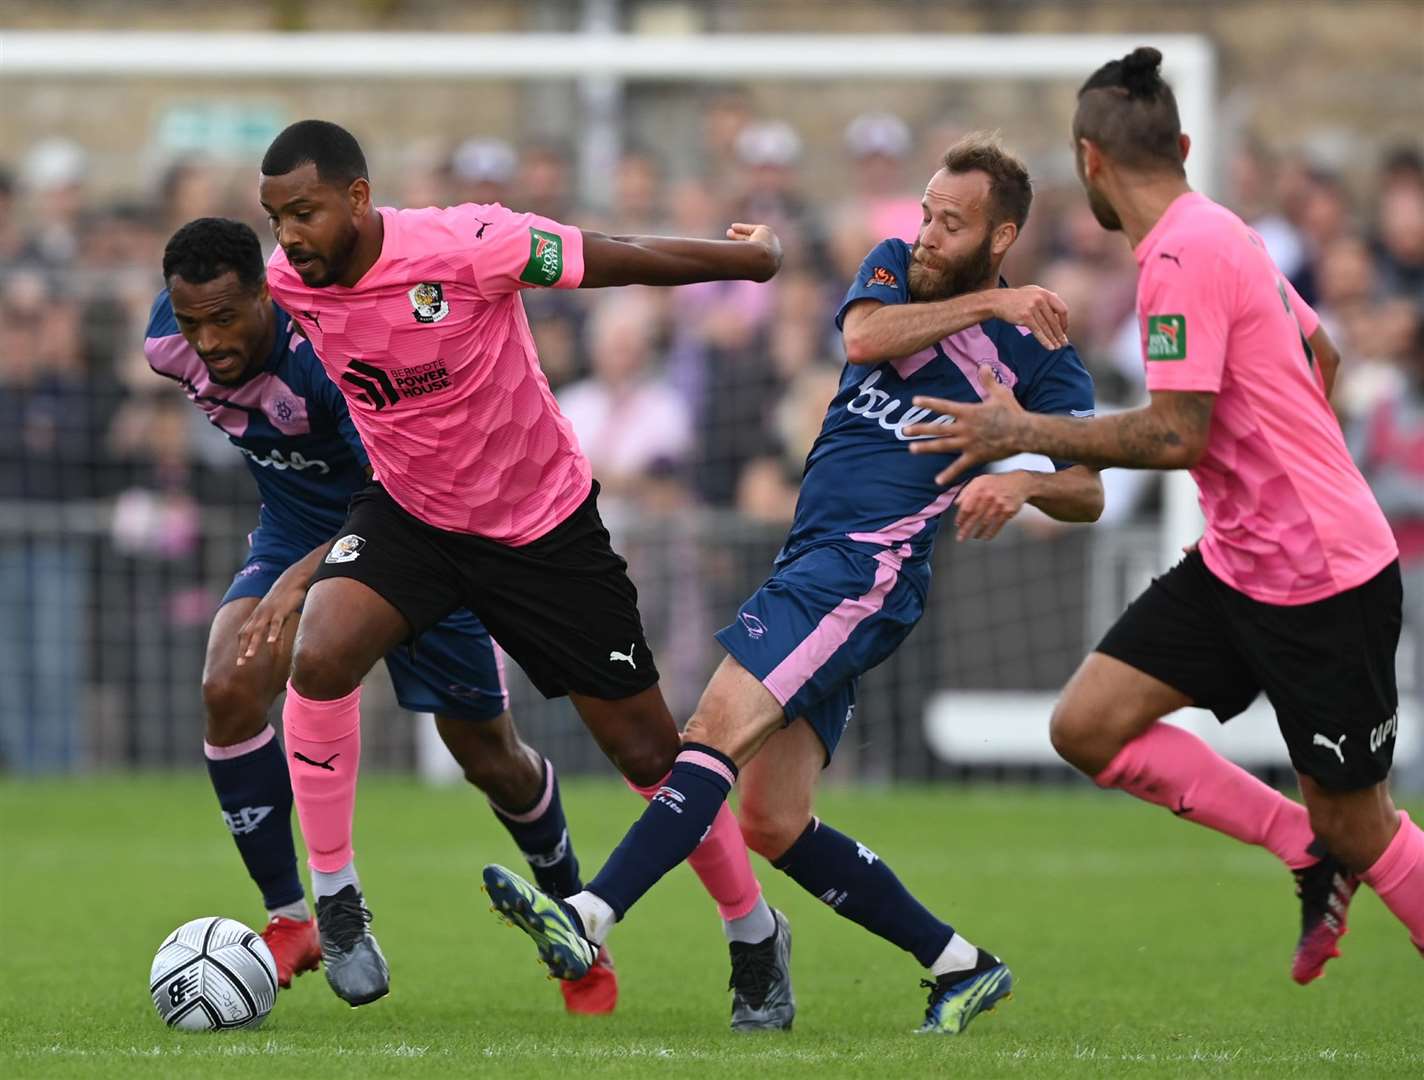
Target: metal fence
{"x": 105, "y": 606}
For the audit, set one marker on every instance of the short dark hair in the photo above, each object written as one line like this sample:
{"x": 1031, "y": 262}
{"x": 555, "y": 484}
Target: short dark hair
{"x": 1010, "y": 189}
{"x": 209, "y": 247}
{"x": 1130, "y": 112}
{"x": 330, "y": 147}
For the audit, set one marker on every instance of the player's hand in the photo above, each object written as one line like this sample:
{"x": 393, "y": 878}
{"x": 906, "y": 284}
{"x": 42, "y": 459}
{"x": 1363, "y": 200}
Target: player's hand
{"x": 269, "y": 618}
{"x": 980, "y": 434}
{"x": 1037, "y": 310}
{"x": 761, "y": 235}
{"x": 988, "y": 502}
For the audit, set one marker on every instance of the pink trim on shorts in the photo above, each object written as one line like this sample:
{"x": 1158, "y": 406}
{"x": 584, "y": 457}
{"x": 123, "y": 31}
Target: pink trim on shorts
{"x": 499, "y": 668}
{"x": 833, "y": 631}
{"x": 708, "y": 762}
{"x": 226, "y": 753}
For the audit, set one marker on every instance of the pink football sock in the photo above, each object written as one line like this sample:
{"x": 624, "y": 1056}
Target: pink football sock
{"x": 1398, "y": 878}
{"x": 323, "y": 755}
{"x": 721, "y": 862}
{"x": 1173, "y": 768}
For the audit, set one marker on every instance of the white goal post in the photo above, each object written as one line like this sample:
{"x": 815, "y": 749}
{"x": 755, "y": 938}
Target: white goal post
{"x": 593, "y": 59}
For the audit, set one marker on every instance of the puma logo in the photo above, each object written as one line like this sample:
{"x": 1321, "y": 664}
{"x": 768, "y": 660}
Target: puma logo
{"x": 1164, "y": 255}
{"x": 625, "y": 657}
{"x": 327, "y": 764}
{"x": 1321, "y": 740}
{"x": 483, "y": 226}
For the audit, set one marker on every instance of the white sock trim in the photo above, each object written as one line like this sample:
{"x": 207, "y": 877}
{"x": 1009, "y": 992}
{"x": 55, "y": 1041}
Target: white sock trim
{"x": 597, "y": 916}
{"x": 329, "y": 884}
{"x": 958, "y": 955}
{"x": 297, "y": 910}
{"x": 755, "y": 926}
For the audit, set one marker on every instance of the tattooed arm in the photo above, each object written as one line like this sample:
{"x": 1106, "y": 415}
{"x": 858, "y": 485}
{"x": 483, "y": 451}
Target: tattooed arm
{"x": 1169, "y": 433}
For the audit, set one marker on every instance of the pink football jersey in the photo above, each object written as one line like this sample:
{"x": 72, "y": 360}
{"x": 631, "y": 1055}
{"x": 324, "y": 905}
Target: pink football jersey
{"x": 433, "y": 352}
{"x": 1290, "y": 520}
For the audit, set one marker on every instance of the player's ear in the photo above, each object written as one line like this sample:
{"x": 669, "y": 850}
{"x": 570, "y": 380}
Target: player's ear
{"x": 262, "y": 294}
{"x": 1091, "y": 160}
{"x": 1005, "y": 233}
{"x": 358, "y": 195}
{"x": 1184, "y": 141}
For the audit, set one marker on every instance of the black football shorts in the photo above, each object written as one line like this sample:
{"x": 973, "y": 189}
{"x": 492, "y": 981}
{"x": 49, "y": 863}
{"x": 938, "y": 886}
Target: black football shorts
{"x": 1327, "y": 668}
{"x": 562, "y": 606}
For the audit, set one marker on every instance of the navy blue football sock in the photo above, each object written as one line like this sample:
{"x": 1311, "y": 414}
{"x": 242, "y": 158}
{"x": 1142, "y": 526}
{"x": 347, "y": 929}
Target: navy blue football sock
{"x": 542, "y": 834}
{"x": 674, "y": 823}
{"x": 854, "y": 881}
{"x": 255, "y": 793}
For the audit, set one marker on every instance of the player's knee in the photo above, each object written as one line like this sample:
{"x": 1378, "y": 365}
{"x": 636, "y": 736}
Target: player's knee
{"x": 1068, "y": 730}
{"x": 488, "y": 756}
{"x": 234, "y": 708}
{"x": 645, "y": 765}
{"x": 768, "y": 830}
{"x": 321, "y": 673}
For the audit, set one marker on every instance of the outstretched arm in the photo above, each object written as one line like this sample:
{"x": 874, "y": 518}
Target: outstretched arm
{"x": 750, "y": 252}
{"x": 1169, "y": 433}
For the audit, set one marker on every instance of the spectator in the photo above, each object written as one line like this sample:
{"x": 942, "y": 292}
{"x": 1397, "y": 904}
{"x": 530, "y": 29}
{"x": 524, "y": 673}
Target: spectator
{"x": 48, "y": 444}
{"x": 483, "y": 169}
{"x": 1253, "y": 184}
{"x": 1388, "y": 444}
{"x": 12, "y": 237}
{"x": 639, "y": 196}
{"x": 770, "y": 192}
{"x": 188, "y": 189}
{"x": 629, "y": 422}
{"x": 546, "y": 180}
{"x": 724, "y": 117}
{"x": 1400, "y": 244}
{"x": 53, "y": 174}
{"x": 885, "y": 197}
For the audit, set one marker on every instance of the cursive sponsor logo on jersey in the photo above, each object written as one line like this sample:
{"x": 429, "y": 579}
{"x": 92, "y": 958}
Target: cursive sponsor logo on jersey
{"x": 879, "y": 406}
{"x": 275, "y": 459}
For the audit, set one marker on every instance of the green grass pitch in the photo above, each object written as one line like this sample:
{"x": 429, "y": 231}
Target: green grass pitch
{"x": 1142, "y": 946}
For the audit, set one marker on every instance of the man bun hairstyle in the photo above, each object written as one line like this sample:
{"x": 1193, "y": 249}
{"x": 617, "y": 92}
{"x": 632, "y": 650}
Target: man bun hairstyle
{"x": 1010, "y": 189}
{"x": 1130, "y": 112}
{"x": 209, "y": 247}
{"x": 330, "y": 147}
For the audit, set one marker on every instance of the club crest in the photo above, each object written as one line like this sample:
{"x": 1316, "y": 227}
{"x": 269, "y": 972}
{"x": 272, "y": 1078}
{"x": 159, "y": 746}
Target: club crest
{"x": 428, "y": 301}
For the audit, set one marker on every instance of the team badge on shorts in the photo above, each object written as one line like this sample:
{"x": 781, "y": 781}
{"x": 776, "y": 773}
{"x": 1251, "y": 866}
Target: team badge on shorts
{"x": 428, "y": 300}
{"x": 347, "y": 549}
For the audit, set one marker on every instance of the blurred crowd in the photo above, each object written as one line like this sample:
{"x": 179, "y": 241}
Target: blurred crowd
{"x": 707, "y": 394}
{"x": 701, "y": 397}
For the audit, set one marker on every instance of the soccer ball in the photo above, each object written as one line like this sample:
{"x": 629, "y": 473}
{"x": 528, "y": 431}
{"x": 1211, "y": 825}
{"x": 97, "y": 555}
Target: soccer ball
{"x": 213, "y": 973}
